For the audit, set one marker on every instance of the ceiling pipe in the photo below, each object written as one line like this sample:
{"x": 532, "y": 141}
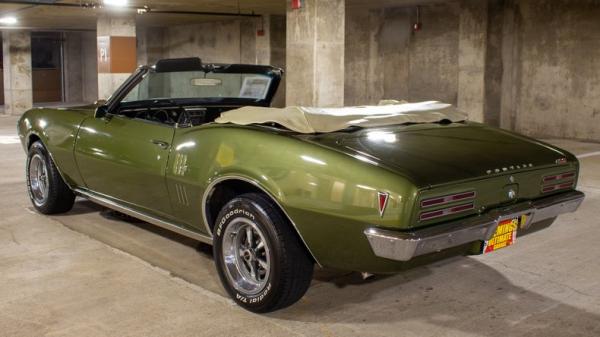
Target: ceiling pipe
{"x": 46, "y": 29}
{"x": 157, "y": 11}
{"x": 141, "y": 10}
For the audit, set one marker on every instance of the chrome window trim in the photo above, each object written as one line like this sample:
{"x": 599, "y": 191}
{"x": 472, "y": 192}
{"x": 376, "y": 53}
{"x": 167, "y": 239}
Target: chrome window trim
{"x": 210, "y": 188}
{"x": 106, "y": 202}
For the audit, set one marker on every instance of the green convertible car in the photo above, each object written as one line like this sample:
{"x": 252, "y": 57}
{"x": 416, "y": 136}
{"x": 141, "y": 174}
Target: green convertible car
{"x": 195, "y": 148}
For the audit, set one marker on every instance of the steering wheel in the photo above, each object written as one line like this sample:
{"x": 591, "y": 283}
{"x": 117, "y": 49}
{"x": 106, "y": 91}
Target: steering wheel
{"x": 161, "y": 116}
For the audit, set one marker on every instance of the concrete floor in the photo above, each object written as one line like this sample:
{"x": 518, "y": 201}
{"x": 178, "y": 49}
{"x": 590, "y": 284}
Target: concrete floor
{"x": 89, "y": 273}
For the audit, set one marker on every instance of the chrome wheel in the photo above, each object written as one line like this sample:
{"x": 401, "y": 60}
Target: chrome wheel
{"x": 38, "y": 179}
{"x": 246, "y": 256}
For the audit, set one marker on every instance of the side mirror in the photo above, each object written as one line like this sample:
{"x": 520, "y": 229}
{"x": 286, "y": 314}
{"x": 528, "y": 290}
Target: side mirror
{"x": 101, "y": 111}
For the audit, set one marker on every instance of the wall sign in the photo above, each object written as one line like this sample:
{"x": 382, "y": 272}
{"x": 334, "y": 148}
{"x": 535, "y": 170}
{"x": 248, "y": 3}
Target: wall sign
{"x": 116, "y": 54}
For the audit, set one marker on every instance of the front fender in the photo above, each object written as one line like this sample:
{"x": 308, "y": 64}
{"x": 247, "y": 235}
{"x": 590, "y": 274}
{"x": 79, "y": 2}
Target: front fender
{"x": 57, "y": 129}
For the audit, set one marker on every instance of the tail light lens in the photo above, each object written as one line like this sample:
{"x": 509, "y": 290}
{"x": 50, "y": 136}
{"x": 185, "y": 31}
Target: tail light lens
{"x": 445, "y": 211}
{"x": 558, "y": 182}
{"x": 557, "y": 177}
{"x": 444, "y": 200}
{"x": 438, "y": 201}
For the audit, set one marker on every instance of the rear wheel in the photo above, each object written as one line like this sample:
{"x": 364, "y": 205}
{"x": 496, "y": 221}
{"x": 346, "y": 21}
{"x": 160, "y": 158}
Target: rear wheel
{"x": 47, "y": 190}
{"x": 260, "y": 261}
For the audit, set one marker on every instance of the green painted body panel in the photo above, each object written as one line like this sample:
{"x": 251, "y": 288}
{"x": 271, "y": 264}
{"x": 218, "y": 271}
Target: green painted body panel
{"x": 330, "y": 196}
{"x": 327, "y": 184}
{"x": 117, "y": 158}
{"x": 57, "y": 128}
{"x": 435, "y": 154}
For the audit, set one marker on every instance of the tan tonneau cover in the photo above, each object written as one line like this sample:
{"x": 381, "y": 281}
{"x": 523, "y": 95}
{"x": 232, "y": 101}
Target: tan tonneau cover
{"x": 317, "y": 120}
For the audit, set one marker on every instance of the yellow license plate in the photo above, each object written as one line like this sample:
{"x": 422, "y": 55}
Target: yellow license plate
{"x": 505, "y": 235}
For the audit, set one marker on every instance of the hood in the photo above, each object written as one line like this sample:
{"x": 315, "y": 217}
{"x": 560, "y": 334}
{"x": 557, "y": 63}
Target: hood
{"x": 435, "y": 154}
{"x": 90, "y": 108}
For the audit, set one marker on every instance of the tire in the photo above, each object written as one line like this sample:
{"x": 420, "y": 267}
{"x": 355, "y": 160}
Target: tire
{"x": 284, "y": 272}
{"x": 48, "y": 192}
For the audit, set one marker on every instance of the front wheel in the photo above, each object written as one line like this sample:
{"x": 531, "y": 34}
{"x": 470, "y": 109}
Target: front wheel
{"x": 47, "y": 190}
{"x": 261, "y": 262}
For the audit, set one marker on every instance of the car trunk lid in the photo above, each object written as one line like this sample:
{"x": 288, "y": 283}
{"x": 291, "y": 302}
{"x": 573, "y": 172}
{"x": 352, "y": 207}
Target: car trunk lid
{"x": 437, "y": 154}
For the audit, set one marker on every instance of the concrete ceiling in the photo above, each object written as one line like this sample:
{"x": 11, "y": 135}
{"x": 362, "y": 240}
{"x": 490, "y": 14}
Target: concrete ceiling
{"x": 58, "y": 17}
{"x": 51, "y": 17}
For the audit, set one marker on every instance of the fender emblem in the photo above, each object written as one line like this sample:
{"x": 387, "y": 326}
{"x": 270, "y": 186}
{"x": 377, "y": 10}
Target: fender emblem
{"x": 383, "y": 199}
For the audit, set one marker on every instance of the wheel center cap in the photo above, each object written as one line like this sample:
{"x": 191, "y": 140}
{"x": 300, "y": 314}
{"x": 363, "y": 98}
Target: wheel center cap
{"x": 247, "y": 255}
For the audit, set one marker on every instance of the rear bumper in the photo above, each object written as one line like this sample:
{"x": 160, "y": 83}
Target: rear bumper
{"x": 403, "y": 246}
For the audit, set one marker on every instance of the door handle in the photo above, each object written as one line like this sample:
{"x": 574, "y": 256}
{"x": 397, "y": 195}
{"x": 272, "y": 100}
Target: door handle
{"x": 160, "y": 143}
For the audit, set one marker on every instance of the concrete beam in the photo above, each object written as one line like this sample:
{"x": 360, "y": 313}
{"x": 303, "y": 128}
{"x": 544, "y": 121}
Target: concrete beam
{"x": 315, "y": 53}
{"x": 18, "y": 86}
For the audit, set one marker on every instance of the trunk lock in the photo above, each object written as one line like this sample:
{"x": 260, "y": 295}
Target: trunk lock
{"x": 511, "y": 191}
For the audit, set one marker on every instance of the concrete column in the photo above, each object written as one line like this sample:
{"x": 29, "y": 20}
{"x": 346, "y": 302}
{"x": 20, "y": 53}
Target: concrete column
{"x": 247, "y": 34}
{"x": 372, "y": 45}
{"x": 89, "y": 66}
{"x": 72, "y": 63}
{"x": 142, "y": 45}
{"x": 277, "y": 47}
{"x": 511, "y": 52}
{"x": 18, "y": 87}
{"x": 117, "y": 56}
{"x": 80, "y": 67}
{"x": 315, "y": 53}
{"x": 472, "y": 44}
{"x": 156, "y": 44}
{"x": 494, "y": 63}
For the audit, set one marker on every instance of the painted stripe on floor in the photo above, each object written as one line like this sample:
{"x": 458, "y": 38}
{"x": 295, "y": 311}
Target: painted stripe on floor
{"x": 590, "y": 154}
{"x": 4, "y": 140}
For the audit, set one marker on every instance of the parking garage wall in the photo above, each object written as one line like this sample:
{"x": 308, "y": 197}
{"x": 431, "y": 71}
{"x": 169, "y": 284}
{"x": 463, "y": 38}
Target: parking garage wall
{"x": 552, "y": 68}
{"x": 541, "y": 62}
{"x": 231, "y": 41}
{"x": 228, "y": 41}
{"x": 387, "y": 59}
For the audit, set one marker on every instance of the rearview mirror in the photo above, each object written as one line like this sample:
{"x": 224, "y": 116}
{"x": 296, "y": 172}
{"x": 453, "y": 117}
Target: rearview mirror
{"x": 101, "y": 111}
{"x": 204, "y": 82}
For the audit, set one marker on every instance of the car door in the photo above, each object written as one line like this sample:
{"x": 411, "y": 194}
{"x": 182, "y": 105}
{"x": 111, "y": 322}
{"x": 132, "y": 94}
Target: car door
{"x": 126, "y": 158}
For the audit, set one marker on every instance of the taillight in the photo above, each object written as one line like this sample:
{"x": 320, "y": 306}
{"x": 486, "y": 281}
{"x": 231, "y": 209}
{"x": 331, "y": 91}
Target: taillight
{"x": 445, "y": 211}
{"x": 447, "y": 199}
{"x": 553, "y": 183}
{"x": 559, "y": 177}
{"x": 437, "y": 201}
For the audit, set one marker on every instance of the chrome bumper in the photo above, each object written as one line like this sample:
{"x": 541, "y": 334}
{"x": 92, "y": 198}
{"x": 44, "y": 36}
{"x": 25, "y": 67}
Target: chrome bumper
{"x": 403, "y": 246}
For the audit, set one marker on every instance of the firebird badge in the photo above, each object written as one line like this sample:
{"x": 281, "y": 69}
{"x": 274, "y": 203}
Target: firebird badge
{"x": 383, "y": 199}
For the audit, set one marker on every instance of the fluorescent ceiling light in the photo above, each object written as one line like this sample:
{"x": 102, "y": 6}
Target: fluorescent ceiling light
{"x": 8, "y": 20}
{"x": 116, "y": 3}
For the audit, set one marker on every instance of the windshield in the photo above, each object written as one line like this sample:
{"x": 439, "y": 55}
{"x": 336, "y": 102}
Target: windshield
{"x": 200, "y": 84}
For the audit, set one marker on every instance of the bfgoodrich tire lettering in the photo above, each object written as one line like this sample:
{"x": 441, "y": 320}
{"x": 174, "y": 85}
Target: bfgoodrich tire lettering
{"x": 48, "y": 192}
{"x": 260, "y": 261}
